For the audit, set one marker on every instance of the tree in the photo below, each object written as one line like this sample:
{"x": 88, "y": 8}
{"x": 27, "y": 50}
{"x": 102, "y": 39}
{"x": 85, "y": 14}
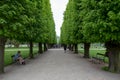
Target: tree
{"x": 69, "y": 26}
{"x": 94, "y": 21}
{"x": 103, "y": 19}
{"x": 110, "y": 31}
{"x": 81, "y": 10}
{"x": 48, "y": 26}
{"x": 25, "y": 21}
{"x": 10, "y": 24}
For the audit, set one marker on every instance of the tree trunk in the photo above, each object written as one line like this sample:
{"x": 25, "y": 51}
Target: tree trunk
{"x": 76, "y": 48}
{"x": 114, "y": 56}
{"x": 31, "y": 50}
{"x": 114, "y": 60}
{"x": 117, "y": 68}
{"x": 49, "y": 46}
{"x": 40, "y": 47}
{"x": 52, "y": 46}
{"x": 86, "y": 50}
{"x": 70, "y": 47}
{"x": 45, "y": 47}
{"x": 2, "y": 47}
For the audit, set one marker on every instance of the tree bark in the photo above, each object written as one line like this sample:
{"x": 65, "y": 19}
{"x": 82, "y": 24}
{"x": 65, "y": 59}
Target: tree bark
{"x": 76, "y": 48}
{"x": 2, "y": 48}
{"x": 31, "y": 50}
{"x": 49, "y": 46}
{"x": 114, "y": 60}
{"x": 45, "y": 47}
{"x": 70, "y": 47}
{"x": 113, "y": 56}
{"x": 40, "y": 47}
{"x": 86, "y": 50}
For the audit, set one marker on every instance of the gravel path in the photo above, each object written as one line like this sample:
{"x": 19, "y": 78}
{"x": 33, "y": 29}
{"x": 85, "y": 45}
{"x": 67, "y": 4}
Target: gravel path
{"x": 57, "y": 65}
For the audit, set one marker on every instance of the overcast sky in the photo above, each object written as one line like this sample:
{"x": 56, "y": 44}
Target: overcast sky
{"x": 58, "y": 8}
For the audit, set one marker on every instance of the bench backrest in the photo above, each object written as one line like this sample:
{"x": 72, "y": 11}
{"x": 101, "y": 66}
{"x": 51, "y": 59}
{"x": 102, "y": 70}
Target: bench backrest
{"x": 13, "y": 56}
{"x": 101, "y": 54}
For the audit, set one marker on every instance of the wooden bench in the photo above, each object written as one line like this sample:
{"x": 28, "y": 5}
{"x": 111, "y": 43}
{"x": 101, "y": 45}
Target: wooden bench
{"x": 99, "y": 58}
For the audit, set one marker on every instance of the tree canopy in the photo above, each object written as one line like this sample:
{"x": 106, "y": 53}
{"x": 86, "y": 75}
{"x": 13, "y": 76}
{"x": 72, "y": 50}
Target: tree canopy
{"x": 31, "y": 19}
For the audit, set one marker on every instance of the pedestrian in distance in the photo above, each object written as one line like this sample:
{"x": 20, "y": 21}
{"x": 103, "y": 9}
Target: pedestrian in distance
{"x": 65, "y": 48}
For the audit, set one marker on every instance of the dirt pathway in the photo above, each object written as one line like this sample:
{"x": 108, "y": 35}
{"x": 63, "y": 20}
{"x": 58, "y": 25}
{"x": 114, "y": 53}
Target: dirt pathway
{"x": 57, "y": 65}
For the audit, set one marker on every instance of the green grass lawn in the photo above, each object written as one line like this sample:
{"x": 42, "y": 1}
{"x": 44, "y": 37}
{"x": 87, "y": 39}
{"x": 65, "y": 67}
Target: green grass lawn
{"x": 93, "y": 52}
{"x": 10, "y": 51}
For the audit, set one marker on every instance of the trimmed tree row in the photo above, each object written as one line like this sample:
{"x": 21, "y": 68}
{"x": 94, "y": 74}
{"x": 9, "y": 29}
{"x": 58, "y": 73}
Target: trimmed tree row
{"x": 91, "y": 21}
{"x": 28, "y": 21}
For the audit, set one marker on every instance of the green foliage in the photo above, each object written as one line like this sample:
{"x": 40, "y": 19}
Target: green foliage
{"x": 69, "y": 26}
{"x": 102, "y": 18}
{"x": 105, "y": 68}
{"x": 10, "y": 17}
{"x": 48, "y": 34}
{"x": 27, "y": 20}
{"x": 91, "y": 21}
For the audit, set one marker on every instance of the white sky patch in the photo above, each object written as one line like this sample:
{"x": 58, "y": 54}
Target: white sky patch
{"x": 58, "y": 8}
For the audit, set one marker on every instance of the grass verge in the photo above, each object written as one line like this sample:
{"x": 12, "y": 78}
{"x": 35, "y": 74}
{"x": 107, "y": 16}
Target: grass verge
{"x": 94, "y": 51}
{"x": 11, "y": 51}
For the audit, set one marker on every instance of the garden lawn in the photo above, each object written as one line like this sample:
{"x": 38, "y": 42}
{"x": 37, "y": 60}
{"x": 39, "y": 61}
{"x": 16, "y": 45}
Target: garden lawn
{"x": 94, "y": 51}
{"x": 11, "y": 51}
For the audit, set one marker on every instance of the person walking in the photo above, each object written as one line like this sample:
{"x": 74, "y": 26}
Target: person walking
{"x": 65, "y": 48}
